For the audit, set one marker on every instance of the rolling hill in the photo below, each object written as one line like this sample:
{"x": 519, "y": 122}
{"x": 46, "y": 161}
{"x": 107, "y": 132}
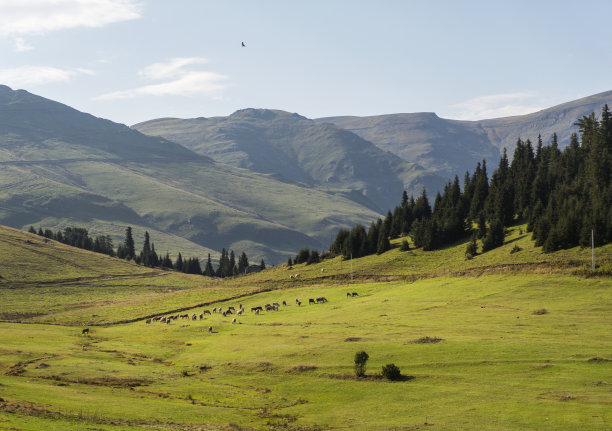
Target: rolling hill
{"x": 505, "y": 341}
{"x": 297, "y": 149}
{"x": 450, "y": 147}
{"x": 62, "y": 167}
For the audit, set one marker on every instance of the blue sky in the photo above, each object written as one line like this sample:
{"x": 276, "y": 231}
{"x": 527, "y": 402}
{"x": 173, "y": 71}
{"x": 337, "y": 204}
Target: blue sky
{"x": 134, "y": 60}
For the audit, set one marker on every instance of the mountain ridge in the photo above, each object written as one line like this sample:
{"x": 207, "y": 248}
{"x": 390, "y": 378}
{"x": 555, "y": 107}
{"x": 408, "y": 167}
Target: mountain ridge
{"x": 61, "y": 167}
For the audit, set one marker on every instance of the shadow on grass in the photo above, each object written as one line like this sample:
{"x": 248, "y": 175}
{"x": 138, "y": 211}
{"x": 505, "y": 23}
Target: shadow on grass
{"x": 369, "y": 378}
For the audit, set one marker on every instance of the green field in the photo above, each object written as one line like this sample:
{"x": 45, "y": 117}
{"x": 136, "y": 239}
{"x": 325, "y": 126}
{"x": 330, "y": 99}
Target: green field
{"x": 497, "y": 365}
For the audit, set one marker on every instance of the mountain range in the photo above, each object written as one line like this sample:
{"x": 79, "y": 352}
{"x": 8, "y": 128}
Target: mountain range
{"x": 263, "y": 181}
{"x": 446, "y": 147}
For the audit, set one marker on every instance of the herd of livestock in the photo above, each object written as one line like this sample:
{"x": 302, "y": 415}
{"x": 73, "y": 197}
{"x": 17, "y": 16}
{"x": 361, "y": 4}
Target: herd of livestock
{"x": 229, "y": 311}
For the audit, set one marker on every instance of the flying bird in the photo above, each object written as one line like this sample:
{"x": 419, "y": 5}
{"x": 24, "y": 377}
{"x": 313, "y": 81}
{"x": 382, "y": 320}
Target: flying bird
{"x": 243, "y": 45}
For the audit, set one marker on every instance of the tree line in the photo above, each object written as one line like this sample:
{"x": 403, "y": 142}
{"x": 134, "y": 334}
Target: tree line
{"x": 79, "y": 237}
{"x": 562, "y": 195}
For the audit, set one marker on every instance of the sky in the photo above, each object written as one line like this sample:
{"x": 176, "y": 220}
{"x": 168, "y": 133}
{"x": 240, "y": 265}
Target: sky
{"x": 136, "y": 60}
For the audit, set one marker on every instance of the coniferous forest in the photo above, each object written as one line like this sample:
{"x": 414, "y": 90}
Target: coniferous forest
{"x": 563, "y": 196}
{"x": 79, "y": 237}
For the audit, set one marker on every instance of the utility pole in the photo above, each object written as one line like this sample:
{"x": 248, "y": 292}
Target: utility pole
{"x": 351, "y": 268}
{"x": 592, "y": 250}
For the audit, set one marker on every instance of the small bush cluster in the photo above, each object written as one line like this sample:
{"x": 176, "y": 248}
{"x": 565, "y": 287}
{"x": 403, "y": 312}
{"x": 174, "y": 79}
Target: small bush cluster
{"x": 391, "y": 372}
{"x": 515, "y": 249}
{"x": 360, "y": 363}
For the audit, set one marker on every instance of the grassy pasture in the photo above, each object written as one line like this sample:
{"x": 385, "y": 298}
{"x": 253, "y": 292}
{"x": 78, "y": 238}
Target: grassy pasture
{"x": 498, "y": 366}
{"x": 502, "y": 362}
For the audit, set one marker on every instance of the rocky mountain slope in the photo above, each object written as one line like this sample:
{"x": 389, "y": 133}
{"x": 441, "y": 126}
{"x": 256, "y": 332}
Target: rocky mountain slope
{"x": 297, "y": 149}
{"x": 449, "y": 147}
{"x": 62, "y": 167}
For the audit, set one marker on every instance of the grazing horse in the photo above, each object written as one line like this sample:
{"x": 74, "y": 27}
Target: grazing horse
{"x": 299, "y": 303}
{"x": 348, "y": 294}
{"x": 206, "y": 311}
{"x": 148, "y": 320}
{"x": 311, "y": 301}
{"x": 354, "y": 294}
{"x": 231, "y": 308}
{"x": 321, "y": 299}
{"x": 284, "y": 303}
{"x": 85, "y": 331}
{"x": 234, "y": 320}
{"x": 201, "y": 316}
{"x": 239, "y": 312}
{"x": 194, "y": 317}
{"x": 210, "y": 329}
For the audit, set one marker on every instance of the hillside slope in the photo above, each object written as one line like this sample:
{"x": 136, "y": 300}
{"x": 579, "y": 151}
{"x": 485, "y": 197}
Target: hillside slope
{"x": 43, "y": 280}
{"x": 449, "y": 147}
{"x": 62, "y": 167}
{"x": 297, "y": 149}
{"x": 520, "y": 340}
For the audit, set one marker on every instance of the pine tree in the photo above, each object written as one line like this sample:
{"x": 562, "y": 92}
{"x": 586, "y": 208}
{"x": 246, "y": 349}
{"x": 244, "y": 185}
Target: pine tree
{"x": 128, "y": 244}
{"x": 494, "y": 237}
{"x": 262, "y": 264}
{"x": 145, "y": 254}
{"x": 178, "y": 265}
{"x": 243, "y": 263}
{"x": 167, "y": 262}
{"x": 472, "y": 248}
{"x": 208, "y": 269}
{"x": 383, "y": 242}
{"x": 232, "y": 270}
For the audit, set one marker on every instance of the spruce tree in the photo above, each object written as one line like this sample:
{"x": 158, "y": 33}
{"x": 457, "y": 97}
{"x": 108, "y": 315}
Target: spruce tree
{"x": 383, "y": 242}
{"x": 128, "y": 244}
{"x": 494, "y": 237}
{"x": 208, "y": 269}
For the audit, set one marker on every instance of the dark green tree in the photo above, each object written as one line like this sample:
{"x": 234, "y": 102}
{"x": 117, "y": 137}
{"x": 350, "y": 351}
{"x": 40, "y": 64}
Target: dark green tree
{"x": 128, "y": 244}
{"x": 360, "y": 363}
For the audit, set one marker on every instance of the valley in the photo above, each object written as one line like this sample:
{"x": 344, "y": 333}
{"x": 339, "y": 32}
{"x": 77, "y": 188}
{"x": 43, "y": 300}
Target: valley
{"x": 524, "y": 334}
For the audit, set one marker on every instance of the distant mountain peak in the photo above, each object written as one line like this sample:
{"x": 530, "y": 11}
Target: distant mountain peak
{"x": 264, "y": 114}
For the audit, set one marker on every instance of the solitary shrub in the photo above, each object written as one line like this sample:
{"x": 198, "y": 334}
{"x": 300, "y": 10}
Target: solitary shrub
{"x": 405, "y": 246}
{"x": 391, "y": 372}
{"x": 515, "y": 249}
{"x": 540, "y": 311}
{"x": 472, "y": 248}
{"x": 360, "y": 363}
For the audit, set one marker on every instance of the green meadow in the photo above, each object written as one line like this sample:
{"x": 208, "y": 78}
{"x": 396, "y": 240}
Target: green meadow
{"x": 509, "y": 341}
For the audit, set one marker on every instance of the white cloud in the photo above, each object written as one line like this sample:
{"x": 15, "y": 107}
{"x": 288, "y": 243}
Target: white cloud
{"x": 20, "y": 77}
{"x": 170, "y": 69}
{"x": 23, "y": 17}
{"x": 21, "y": 45}
{"x": 495, "y": 106}
{"x": 179, "y": 81}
